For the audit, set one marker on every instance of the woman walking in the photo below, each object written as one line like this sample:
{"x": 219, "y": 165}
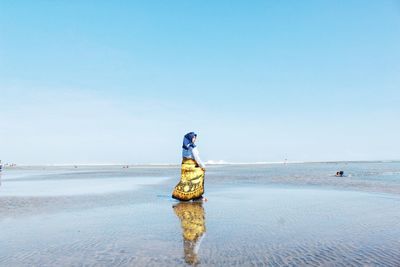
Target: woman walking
{"x": 191, "y": 185}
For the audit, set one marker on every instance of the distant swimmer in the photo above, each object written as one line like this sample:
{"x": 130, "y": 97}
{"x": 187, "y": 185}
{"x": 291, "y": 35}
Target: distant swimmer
{"x": 339, "y": 174}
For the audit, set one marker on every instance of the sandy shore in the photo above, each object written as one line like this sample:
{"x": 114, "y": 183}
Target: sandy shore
{"x": 249, "y": 219}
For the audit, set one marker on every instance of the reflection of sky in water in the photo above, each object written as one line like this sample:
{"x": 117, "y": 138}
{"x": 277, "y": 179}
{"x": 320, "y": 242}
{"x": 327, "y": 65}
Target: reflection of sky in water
{"x": 249, "y": 222}
{"x": 66, "y": 187}
{"x": 293, "y": 214}
{"x": 244, "y": 224}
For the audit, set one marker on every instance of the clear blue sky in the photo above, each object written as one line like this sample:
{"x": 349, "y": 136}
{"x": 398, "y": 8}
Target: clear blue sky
{"x": 122, "y": 81}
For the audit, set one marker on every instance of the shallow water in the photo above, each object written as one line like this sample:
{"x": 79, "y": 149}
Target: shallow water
{"x": 274, "y": 215}
{"x": 74, "y": 186}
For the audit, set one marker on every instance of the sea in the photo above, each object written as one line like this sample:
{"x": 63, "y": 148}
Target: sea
{"x": 295, "y": 214}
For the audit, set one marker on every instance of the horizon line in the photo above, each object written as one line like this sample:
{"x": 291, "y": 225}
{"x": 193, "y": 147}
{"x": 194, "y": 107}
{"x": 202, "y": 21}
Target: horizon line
{"x": 209, "y": 162}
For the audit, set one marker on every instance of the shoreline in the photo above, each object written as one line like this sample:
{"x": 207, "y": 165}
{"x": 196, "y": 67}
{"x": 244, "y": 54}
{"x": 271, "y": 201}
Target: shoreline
{"x": 152, "y": 165}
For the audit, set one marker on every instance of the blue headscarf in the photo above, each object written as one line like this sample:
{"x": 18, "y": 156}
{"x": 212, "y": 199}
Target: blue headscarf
{"x": 187, "y": 141}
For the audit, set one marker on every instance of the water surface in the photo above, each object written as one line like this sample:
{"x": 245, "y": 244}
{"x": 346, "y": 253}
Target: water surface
{"x": 273, "y": 215}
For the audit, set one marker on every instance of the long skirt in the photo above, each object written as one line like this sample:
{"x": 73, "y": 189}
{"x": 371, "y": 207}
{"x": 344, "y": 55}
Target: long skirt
{"x": 191, "y": 185}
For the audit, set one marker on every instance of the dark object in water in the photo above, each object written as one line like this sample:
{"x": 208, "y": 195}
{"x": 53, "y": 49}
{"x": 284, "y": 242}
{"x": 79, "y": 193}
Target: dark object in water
{"x": 339, "y": 174}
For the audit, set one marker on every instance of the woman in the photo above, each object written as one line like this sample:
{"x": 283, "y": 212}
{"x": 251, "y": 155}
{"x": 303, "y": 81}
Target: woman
{"x": 191, "y": 185}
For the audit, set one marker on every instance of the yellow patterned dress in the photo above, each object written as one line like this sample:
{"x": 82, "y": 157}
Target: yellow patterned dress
{"x": 191, "y": 185}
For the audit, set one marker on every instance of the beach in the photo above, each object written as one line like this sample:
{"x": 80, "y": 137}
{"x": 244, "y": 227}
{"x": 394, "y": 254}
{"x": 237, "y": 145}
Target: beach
{"x": 255, "y": 215}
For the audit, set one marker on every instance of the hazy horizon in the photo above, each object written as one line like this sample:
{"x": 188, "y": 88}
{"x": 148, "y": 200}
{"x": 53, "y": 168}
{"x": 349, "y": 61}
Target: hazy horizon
{"x": 208, "y": 162}
{"x": 259, "y": 82}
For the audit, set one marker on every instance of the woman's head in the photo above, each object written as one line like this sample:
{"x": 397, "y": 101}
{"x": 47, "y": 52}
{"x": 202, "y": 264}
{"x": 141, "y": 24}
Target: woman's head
{"x": 188, "y": 140}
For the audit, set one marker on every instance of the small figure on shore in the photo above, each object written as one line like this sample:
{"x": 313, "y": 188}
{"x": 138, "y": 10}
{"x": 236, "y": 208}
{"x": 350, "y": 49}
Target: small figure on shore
{"x": 191, "y": 185}
{"x": 339, "y": 174}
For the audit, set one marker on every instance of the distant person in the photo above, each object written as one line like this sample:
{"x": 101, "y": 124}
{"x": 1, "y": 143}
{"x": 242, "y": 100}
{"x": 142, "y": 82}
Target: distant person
{"x": 191, "y": 185}
{"x": 339, "y": 173}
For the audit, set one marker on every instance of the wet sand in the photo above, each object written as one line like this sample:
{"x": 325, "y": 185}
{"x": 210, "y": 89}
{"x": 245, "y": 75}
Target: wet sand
{"x": 248, "y": 220}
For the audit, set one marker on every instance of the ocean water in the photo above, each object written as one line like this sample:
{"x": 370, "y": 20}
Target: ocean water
{"x": 255, "y": 215}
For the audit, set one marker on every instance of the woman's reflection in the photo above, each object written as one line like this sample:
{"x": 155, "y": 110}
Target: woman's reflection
{"x": 193, "y": 226}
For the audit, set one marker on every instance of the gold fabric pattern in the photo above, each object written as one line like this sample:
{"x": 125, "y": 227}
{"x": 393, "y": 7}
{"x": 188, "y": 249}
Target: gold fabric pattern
{"x": 191, "y": 185}
{"x": 193, "y": 226}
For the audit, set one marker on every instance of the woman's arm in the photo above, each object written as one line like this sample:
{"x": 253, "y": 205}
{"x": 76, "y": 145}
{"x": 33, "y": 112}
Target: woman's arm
{"x": 196, "y": 156}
